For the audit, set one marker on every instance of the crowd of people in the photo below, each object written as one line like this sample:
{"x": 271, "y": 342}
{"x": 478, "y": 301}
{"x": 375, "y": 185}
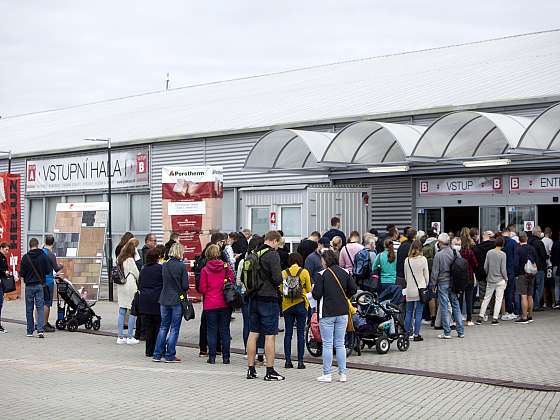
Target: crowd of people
{"x": 437, "y": 278}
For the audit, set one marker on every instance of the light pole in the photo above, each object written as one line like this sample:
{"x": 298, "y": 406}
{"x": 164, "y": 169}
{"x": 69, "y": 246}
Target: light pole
{"x": 9, "y": 153}
{"x": 109, "y": 221}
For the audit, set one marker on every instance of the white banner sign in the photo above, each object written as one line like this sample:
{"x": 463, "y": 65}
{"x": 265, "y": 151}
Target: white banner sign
{"x": 100, "y": 206}
{"x": 88, "y": 172}
{"x": 535, "y": 183}
{"x": 460, "y": 186}
{"x": 184, "y": 208}
{"x": 192, "y": 174}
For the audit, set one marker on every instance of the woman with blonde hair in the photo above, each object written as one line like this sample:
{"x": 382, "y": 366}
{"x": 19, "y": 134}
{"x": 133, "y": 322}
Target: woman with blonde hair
{"x": 125, "y": 292}
{"x": 175, "y": 284}
{"x": 336, "y": 245}
{"x": 417, "y": 277}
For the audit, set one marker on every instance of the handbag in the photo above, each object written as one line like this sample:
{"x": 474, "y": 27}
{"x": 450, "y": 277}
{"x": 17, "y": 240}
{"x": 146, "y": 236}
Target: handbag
{"x": 46, "y": 291}
{"x": 423, "y": 293}
{"x": 350, "y": 324}
{"x": 186, "y": 305}
{"x": 8, "y": 283}
{"x": 135, "y": 306}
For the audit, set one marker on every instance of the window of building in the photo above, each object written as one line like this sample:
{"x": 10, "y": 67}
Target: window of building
{"x": 36, "y": 216}
{"x": 139, "y": 212}
{"x": 259, "y": 220}
{"x": 290, "y": 222}
{"x": 229, "y": 211}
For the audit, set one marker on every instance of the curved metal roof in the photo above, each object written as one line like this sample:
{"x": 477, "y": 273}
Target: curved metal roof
{"x": 288, "y": 149}
{"x": 469, "y": 134}
{"x": 544, "y": 132}
{"x": 372, "y": 142}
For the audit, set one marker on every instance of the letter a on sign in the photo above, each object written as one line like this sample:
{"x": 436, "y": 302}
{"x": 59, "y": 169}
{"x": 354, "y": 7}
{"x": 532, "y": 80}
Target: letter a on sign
{"x": 31, "y": 173}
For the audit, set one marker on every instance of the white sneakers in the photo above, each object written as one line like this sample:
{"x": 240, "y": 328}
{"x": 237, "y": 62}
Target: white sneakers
{"x": 328, "y": 378}
{"x": 121, "y": 340}
{"x": 509, "y": 317}
{"x": 132, "y": 340}
{"x": 444, "y": 337}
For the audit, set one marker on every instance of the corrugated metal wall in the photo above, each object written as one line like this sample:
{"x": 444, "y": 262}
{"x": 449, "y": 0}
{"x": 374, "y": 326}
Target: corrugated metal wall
{"x": 391, "y": 201}
{"x": 346, "y": 203}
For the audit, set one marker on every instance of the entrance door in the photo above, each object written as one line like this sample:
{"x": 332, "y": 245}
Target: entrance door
{"x": 492, "y": 218}
{"x": 549, "y": 216}
{"x": 428, "y": 219}
{"x": 456, "y": 218}
{"x": 519, "y": 214}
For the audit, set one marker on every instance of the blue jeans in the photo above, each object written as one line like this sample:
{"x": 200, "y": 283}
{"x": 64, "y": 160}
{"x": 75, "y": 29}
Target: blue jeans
{"x": 410, "y": 309}
{"x": 333, "y": 329}
{"x": 34, "y": 299}
{"x": 120, "y": 323}
{"x": 539, "y": 289}
{"x": 509, "y": 294}
{"x": 246, "y": 315}
{"x": 446, "y": 295}
{"x": 218, "y": 323}
{"x": 294, "y": 314}
{"x": 168, "y": 335}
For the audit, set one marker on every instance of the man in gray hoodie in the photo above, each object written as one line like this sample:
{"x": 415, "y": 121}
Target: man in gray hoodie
{"x": 496, "y": 280}
{"x": 441, "y": 279}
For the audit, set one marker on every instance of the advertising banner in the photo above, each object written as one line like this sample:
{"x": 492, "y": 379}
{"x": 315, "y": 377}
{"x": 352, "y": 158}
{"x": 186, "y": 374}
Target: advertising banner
{"x": 10, "y": 224}
{"x": 89, "y": 172}
{"x": 535, "y": 183}
{"x": 461, "y": 186}
{"x": 193, "y": 183}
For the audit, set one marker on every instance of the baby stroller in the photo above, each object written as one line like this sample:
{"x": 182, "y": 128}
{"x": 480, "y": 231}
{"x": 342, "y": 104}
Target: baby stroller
{"x": 313, "y": 340}
{"x": 73, "y": 310}
{"x": 377, "y": 324}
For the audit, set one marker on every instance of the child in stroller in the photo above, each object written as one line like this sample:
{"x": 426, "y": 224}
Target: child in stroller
{"x": 74, "y": 310}
{"x": 378, "y": 324}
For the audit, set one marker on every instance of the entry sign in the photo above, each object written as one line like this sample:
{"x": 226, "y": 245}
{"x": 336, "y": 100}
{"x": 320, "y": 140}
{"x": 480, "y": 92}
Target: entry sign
{"x": 460, "y": 186}
{"x": 534, "y": 183}
{"x": 528, "y": 225}
{"x": 436, "y": 226}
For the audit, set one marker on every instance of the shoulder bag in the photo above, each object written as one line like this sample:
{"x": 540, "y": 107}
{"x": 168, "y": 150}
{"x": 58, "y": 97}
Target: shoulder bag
{"x": 135, "y": 306}
{"x": 350, "y": 325}
{"x": 186, "y": 305}
{"x": 46, "y": 291}
{"x": 422, "y": 292}
{"x": 8, "y": 283}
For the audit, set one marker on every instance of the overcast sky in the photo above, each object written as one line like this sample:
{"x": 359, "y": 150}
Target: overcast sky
{"x": 61, "y": 53}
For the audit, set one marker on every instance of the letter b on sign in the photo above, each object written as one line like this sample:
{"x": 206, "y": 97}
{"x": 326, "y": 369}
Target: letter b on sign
{"x": 514, "y": 183}
{"x": 497, "y": 183}
{"x": 141, "y": 163}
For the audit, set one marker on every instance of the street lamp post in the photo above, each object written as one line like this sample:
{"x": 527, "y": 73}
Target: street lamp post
{"x": 109, "y": 221}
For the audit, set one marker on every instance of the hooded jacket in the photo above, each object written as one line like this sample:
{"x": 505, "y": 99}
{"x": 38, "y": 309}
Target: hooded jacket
{"x": 212, "y": 278}
{"x": 42, "y": 265}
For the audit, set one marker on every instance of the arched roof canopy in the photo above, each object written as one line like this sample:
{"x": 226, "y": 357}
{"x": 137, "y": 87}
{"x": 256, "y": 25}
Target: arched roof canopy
{"x": 288, "y": 149}
{"x": 371, "y": 142}
{"x": 544, "y": 132}
{"x": 469, "y": 134}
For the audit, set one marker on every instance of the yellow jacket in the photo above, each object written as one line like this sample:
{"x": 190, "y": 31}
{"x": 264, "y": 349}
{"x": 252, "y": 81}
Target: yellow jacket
{"x": 305, "y": 279}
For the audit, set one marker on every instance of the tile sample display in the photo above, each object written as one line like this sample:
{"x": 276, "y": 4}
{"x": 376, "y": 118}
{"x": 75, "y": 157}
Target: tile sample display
{"x": 94, "y": 218}
{"x": 68, "y": 221}
{"x": 91, "y": 242}
{"x": 66, "y": 244}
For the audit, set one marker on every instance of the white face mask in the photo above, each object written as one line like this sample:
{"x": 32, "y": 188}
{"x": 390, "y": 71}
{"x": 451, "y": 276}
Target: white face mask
{"x": 457, "y": 247}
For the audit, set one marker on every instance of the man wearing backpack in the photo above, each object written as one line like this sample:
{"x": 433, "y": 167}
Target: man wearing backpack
{"x": 525, "y": 255}
{"x": 429, "y": 251}
{"x": 441, "y": 278}
{"x": 363, "y": 262}
{"x": 263, "y": 306}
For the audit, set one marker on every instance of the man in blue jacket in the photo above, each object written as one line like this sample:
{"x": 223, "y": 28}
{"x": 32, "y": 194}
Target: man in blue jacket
{"x": 35, "y": 266}
{"x": 335, "y": 231}
{"x": 313, "y": 261}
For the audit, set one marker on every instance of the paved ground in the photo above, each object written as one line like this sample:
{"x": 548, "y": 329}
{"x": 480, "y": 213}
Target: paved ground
{"x": 70, "y": 375}
{"x": 508, "y": 352}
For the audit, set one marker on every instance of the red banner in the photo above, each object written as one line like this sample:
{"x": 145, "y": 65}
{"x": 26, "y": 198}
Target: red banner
{"x": 186, "y": 223}
{"x": 184, "y": 190}
{"x": 10, "y": 223}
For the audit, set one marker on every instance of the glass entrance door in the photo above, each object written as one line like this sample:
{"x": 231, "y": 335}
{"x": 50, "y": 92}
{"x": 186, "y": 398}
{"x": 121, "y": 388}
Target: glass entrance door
{"x": 428, "y": 218}
{"x": 519, "y": 214}
{"x": 492, "y": 218}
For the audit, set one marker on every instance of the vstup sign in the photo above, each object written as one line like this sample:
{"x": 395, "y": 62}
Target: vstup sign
{"x": 460, "y": 186}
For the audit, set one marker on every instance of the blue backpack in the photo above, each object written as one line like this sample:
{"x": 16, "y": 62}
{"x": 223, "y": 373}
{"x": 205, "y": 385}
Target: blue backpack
{"x": 362, "y": 265}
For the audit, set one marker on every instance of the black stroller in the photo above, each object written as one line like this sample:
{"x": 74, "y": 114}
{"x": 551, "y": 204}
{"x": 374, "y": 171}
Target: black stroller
{"x": 74, "y": 311}
{"x": 378, "y": 324}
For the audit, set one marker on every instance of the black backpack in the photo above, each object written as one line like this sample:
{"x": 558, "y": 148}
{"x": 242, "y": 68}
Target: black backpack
{"x": 459, "y": 272}
{"x": 251, "y": 273}
{"x": 117, "y": 275}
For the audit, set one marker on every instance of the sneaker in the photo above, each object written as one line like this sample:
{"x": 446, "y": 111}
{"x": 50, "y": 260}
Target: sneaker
{"x": 49, "y": 328}
{"x": 121, "y": 340}
{"x": 30, "y": 335}
{"x": 505, "y": 316}
{"x": 530, "y": 319}
{"x": 252, "y": 373}
{"x": 273, "y": 376}
{"x": 41, "y": 335}
{"x": 211, "y": 361}
{"x": 521, "y": 321}
{"x": 342, "y": 378}
{"x": 479, "y": 321}
{"x": 174, "y": 360}
{"x": 325, "y": 378}
{"x": 155, "y": 359}
{"x": 444, "y": 337}
{"x": 226, "y": 361}
{"x": 557, "y": 306}
{"x": 2, "y": 330}
{"x": 469, "y": 324}
{"x": 132, "y": 340}
{"x": 461, "y": 335}
{"x": 288, "y": 365}
{"x": 495, "y": 322}
{"x": 424, "y": 322}
{"x": 418, "y": 338}
{"x": 485, "y": 318}
{"x": 202, "y": 354}
{"x": 301, "y": 365}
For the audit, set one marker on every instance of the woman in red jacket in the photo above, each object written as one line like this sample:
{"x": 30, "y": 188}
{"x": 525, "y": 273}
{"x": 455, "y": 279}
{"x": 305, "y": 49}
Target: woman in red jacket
{"x": 212, "y": 278}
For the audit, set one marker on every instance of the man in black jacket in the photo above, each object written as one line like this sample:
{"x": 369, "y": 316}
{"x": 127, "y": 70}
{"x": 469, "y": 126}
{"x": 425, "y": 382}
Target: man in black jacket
{"x": 241, "y": 245}
{"x": 309, "y": 245}
{"x": 335, "y": 231}
{"x": 525, "y": 282}
{"x": 34, "y": 267}
{"x": 536, "y": 242}
{"x": 402, "y": 255}
{"x": 264, "y": 309}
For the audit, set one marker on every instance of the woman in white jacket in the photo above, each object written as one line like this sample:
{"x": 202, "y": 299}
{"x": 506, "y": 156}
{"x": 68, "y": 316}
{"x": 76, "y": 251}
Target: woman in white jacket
{"x": 125, "y": 292}
{"x": 417, "y": 276}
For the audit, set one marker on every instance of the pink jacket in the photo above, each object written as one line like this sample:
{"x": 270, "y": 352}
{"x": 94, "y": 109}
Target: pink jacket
{"x": 212, "y": 278}
{"x": 347, "y": 255}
